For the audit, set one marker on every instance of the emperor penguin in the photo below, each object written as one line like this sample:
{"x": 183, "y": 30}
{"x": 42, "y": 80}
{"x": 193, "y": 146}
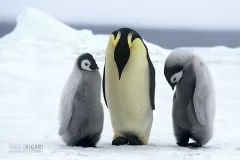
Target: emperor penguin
{"x": 194, "y": 100}
{"x": 129, "y": 87}
{"x": 81, "y": 111}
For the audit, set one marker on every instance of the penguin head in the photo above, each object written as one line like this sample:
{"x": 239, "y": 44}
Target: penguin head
{"x": 125, "y": 42}
{"x": 173, "y": 74}
{"x": 86, "y": 62}
{"x": 174, "y": 66}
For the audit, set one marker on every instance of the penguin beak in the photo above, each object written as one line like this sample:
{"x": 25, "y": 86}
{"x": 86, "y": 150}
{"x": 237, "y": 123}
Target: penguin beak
{"x": 173, "y": 85}
{"x": 94, "y": 66}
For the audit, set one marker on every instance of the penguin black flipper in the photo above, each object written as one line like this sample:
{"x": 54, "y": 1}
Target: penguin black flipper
{"x": 152, "y": 82}
{"x": 103, "y": 86}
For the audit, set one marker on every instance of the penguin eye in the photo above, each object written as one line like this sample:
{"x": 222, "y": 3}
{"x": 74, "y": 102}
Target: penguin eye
{"x": 86, "y": 64}
{"x": 174, "y": 79}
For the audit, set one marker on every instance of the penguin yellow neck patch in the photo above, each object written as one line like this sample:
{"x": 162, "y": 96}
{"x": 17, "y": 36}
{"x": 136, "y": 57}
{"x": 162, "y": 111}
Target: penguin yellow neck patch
{"x": 129, "y": 39}
{"x": 136, "y": 42}
{"x": 115, "y": 40}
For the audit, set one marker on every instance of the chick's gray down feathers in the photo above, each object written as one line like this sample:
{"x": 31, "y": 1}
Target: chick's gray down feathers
{"x": 81, "y": 111}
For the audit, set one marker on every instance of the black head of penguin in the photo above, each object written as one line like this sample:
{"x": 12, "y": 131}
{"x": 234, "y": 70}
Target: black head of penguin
{"x": 169, "y": 72}
{"x": 87, "y": 62}
{"x": 124, "y": 38}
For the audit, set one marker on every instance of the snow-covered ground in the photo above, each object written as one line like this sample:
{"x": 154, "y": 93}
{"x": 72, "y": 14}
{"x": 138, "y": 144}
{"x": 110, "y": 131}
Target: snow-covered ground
{"x": 35, "y": 61}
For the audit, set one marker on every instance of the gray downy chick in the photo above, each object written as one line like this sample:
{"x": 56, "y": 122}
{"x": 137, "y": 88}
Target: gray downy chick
{"x": 194, "y": 101}
{"x": 81, "y": 114}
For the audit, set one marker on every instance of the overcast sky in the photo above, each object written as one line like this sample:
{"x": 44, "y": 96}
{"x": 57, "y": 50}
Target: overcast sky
{"x": 190, "y": 13}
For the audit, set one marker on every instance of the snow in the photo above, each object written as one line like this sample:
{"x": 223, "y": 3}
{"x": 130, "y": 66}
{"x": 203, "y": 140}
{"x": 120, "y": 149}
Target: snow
{"x": 198, "y": 14}
{"x": 38, "y": 56}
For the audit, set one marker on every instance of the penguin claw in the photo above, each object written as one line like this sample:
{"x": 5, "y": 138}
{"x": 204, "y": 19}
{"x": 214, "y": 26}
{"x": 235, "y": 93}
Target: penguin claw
{"x": 120, "y": 141}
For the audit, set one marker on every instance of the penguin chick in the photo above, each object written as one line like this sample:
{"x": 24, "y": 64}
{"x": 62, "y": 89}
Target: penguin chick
{"x": 81, "y": 112}
{"x": 194, "y": 99}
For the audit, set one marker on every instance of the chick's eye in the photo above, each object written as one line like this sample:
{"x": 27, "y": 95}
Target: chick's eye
{"x": 86, "y": 64}
{"x": 174, "y": 79}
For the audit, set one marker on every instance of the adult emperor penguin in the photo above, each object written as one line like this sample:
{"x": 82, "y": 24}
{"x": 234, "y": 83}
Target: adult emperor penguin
{"x": 129, "y": 87}
{"x": 81, "y": 112}
{"x": 194, "y": 99}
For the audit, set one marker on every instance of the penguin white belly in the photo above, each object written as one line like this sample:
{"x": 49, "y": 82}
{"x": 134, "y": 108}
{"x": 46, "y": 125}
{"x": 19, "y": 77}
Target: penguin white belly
{"x": 128, "y": 98}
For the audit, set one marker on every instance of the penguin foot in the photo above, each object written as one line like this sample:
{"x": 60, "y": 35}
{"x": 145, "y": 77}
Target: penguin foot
{"x": 194, "y": 145}
{"x": 133, "y": 140}
{"x": 88, "y": 145}
{"x": 182, "y": 138}
{"x": 80, "y": 144}
{"x": 88, "y": 141}
{"x": 182, "y": 144}
{"x": 120, "y": 141}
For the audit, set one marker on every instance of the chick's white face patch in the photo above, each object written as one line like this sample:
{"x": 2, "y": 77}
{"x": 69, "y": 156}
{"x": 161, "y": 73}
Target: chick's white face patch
{"x": 176, "y": 77}
{"x": 85, "y": 64}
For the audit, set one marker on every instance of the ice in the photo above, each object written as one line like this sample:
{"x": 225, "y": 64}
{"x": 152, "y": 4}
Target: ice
{"x": 35, "y": 61}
